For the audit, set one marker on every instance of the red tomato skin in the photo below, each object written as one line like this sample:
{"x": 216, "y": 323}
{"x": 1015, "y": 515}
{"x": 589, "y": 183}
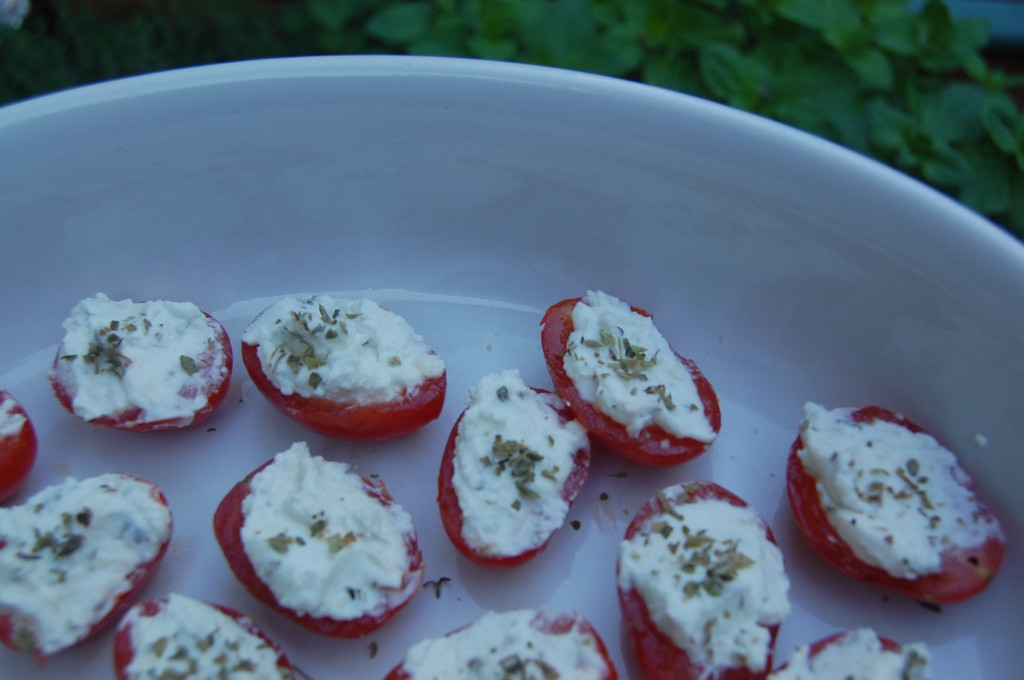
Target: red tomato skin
{"x": 17, "y": 452}
{"x": 964, "y": 572}
{"x": 137, "y": 581}
{"x": 128, "y": 420}
{"x": 562, "y": 624}
{"x": 451, "y": 510}
{"x": 227, "y": 527}
{"x": 124, "y": 651}
{"x": 645, "y": 449}
{"x": 655, "y": 652}
{"x": 369, "y": 422}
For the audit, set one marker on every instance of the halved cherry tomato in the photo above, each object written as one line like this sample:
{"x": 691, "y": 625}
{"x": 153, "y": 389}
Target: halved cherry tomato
{"x": 653, "y": 446}
{"x": 228, "y": 522}
{"x": 174, "y": 646}
{"x": 504, "y": 656}
{"x": 451, "y": 510}
{"x": 213, "y": 366}
{"x": 17, "y": 448}
{"x": 964, "y": 572}
{"x": 657, "y": 654}
{"x": 349, "y": 420}
{"x": 78, "y": 527}
{"x": 915, "y": 665}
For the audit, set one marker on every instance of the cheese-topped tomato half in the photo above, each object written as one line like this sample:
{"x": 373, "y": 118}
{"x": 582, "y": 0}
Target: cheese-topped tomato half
{"x": 18, "y": 445}
{"x": 74, "y": 556}
{"x": 322, "y": 545}
{"x": 625, "y": 384}
{"x": 885, "y": 503}
{"x": 514, "y": 463}
{"x": 180, "y": 637}
{"x": 859, "y": 654}
{"x": 701, "y": 585}
{"x": 344, "y": 368}
{"x": 141, "y": 366}
{"x": 518, "y": 644}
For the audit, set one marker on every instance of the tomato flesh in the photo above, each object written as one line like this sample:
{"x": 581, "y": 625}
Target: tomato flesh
{"x": 653, "y": 446}
{"x": 451, "y": 510}
{"x": 657, "y": 655}
{"x": 964, "y": 572}
{"x": 227, "y": 526}
{"x": 348, "y": 420}
{"x": 124, "y": 650}
{"x": 17, "y": 451}
{"x": 215, "y": 389}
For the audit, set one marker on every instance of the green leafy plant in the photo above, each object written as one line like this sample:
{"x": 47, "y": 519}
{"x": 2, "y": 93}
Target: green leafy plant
{"x": 906, "y": 85}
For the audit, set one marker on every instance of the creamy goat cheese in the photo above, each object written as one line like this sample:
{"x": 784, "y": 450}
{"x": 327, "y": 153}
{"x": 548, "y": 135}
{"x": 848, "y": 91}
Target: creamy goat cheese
{"x": 711, "y": 580}
{"x": 187, "y": 638}
{"x": 157, "y": 356}
{"x": 320, "y": 542}
{"x": 622, "y": 364}
{"x": 11, "y": 421}
{"x": 857, "y": 655}
{"x": 343, "y": 350}
{"x": 507, "y": 645}
{"x": 68, "y": 552}
{"x": 898, "y": 498}
{"x": 513, "y": 455}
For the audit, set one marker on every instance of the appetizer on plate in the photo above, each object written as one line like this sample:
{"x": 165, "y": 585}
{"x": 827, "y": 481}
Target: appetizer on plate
{"x": 627, "y": 386}
{"x": 885, "y": 503}
{"x": 178, "y": 638}
{"x": 17, "y": 445}
{"x": 74, "y": 556}
{"x": 858, "y": 654}
{"x": 701, "y": 585}
{"x": 324, "y": 546}
{"x": 514, "y": 463}
{"x": 517, "y": 644}
{"x": 344, "y": 368}
{"x": 141, "y": 366}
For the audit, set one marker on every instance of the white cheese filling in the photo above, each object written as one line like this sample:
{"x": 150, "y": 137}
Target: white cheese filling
{"x": 158, "y": 356}
{"x": 343, "y": 350}
{"x": 507, "y": 645}
{"x": 191, "y": 639}
{"x": 320, "y": 542}
{"x": 897, "y": 498}
{"x": 711, "y": 580}
{"x": 11, "y": 422}
{"x": 622, "y": 364}
{"x": 858, "y": 655}
{"x": 68, "y": 552}
{"x": 513, "y": 455}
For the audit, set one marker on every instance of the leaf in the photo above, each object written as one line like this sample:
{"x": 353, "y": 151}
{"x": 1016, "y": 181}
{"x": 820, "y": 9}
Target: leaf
{"x": 807, "y": 13}
{"x": 330, "y": 14}
{"x": 1002, "y": 122}
{"x": 501, "y": 49}
{"x": 952, "y": 113}
{"x": 887, "y": 125}
{"x": 844, "y": 25}
{"x": 728, "y": 75}
{"x": 988, "y": 189}
{"x": 872, "y": 67}
{"x": 400, "y": 23}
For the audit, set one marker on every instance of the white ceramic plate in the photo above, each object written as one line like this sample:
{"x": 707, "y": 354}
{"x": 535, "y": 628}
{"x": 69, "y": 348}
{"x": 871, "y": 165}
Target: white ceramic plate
{"x": 468, "y": 196}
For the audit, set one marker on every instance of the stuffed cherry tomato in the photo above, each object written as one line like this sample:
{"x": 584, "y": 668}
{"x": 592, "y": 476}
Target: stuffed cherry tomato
{"x": 701, "y": 585}
{"x": 17, "y": 445}
{"x": 631, "y": 391}
{"x": 885, "y": 503}
{"x": 179, "y": 637}
{"x": 74, "y": 556}
{"x": 327, "y": 548}
{"x": 141, "y": 366}
{"x": 344, "y": 368}
{"x": 858, "y": 654}
{"x": 514, "y": 464}
{"x": 517, "y": 644}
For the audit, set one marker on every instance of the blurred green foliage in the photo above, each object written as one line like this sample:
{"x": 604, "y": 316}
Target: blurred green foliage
{"x": 907, "y": 86}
